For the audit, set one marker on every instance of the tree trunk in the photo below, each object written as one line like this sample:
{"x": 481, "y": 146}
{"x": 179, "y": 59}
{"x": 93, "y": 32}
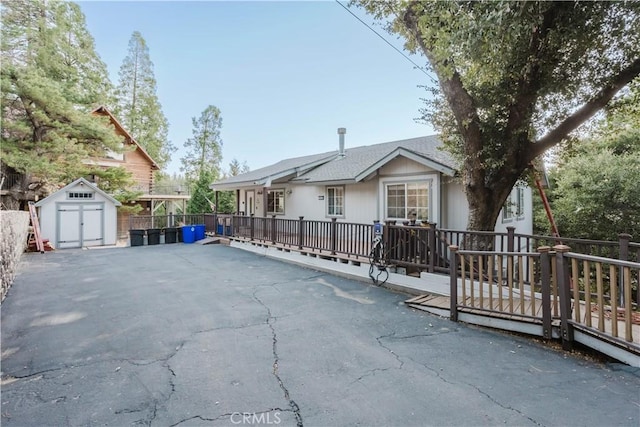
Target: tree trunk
{"x": 485, "y": 204}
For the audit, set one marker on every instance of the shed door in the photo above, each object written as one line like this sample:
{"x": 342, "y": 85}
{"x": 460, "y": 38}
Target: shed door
{"x": 80, "y": 224}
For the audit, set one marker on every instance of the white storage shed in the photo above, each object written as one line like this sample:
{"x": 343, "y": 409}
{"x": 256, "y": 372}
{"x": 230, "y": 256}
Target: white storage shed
{"x": 79, "y": 215}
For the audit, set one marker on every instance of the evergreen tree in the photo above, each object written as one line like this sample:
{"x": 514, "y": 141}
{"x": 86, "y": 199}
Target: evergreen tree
{"x": 138, "y": 106}
{"x": 51, "y": 78}
{"x": 235, "y": 168}
{"x": 202, "y": 196}
{"x": 204, "y": 149}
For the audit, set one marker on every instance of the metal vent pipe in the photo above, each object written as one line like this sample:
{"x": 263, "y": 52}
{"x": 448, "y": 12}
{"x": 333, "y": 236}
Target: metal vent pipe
{"x": 341, "y": 133}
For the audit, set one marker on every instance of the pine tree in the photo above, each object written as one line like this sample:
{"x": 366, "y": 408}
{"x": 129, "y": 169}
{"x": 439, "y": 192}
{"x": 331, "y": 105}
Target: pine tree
{"x": 235, "y": 168}
{"x": 202, "y": 195}
{"x": 51, "y": 78}
{"x": 204, "y": 149}
{"x": 138, "y": 106}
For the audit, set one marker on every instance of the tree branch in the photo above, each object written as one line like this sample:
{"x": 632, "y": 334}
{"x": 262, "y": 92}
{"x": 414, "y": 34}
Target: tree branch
{"x": 462, "y": 104}
{"x": 527, "y": 86}
{"x": 465, "y": 111}
{"x": 585, "y": 112}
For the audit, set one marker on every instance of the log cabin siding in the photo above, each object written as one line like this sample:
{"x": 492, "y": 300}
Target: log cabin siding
{"x": 140, "y": 169}
{"x": 136, "y": 160}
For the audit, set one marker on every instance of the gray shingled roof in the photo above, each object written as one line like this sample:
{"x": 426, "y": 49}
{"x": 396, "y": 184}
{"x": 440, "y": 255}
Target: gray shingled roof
{"x": 299, "y": 163}
{"x": 358, "y": 160}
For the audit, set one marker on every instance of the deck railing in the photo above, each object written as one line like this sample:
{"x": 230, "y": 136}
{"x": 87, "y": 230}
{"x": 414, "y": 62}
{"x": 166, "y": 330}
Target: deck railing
{"x": 601, "y": 293}
{"x": 163, "y": 189}
{"x": 586, "y": 293}
{"x": 418, "y": 248}
{"x": 144, "y": 222}
{"x": 324, "y": 237}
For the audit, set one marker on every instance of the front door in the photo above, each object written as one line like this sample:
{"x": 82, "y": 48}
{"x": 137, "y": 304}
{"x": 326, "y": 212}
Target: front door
{"x": 249, "y": 202}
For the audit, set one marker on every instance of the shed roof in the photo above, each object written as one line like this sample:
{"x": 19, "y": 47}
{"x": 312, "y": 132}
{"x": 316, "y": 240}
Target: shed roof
{"x": 83, "y": 182}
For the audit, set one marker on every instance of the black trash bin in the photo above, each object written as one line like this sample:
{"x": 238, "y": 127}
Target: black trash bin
{"x": 137, "y": 237}
{"x": 179, "y": 234}
{"x": 170, "y": 235}
{"x": 153, "y": 236}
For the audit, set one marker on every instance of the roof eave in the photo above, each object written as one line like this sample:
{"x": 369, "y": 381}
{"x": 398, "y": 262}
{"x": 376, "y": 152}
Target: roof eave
{"x": 84, "y": 182}
{"x": 267, "y": 180}
{"x": 423, "y": 160}
{"x": 117, "y": 124}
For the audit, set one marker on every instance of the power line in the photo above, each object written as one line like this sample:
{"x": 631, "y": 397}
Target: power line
{"x": 387, "y": 42}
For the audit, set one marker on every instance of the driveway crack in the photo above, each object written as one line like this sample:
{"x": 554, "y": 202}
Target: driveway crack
{"x": 276, "y": 373}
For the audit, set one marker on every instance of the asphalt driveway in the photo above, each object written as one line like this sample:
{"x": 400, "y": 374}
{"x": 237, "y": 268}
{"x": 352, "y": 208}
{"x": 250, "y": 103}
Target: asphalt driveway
{"x": 211, "y": 335}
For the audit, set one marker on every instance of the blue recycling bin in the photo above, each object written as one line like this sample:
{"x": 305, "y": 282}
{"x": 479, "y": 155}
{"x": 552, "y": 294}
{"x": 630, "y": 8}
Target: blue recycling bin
{"x": 199, "y": 231}
{"x": 188, "y": 233}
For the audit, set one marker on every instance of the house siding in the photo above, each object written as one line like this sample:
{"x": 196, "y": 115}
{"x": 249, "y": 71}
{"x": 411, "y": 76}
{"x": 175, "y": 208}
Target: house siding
{"x": 455, "y": 210}
{"x": 140, "y": 169}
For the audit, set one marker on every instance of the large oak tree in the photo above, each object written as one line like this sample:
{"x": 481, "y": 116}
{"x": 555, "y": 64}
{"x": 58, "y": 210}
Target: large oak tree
{"x": 514, "y": 79}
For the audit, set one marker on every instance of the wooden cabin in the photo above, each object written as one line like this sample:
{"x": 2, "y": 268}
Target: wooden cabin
{"x": 143, "y": 168}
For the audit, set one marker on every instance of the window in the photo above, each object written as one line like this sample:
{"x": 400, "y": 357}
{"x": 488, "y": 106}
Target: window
{"x": 408, "y": 199}
{"x": 275, "y": 201}
{"x": 514, "y": 206}
{"x": 116, "y": 155}
{"x": 80, "y": 195}
{"x": 335, "y": 201}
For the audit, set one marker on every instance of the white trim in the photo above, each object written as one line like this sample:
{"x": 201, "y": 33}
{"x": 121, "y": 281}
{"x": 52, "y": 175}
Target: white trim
{"x": 79, "y": 181}
{"x": 326, "y": 201}
{"x": 279, "y": 189}
{"x": 434, "y": 193}
{"x": 403, "y": 152}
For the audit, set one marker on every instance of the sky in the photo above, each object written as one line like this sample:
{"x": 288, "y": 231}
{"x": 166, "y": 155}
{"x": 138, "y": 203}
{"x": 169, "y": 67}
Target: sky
{"x": 285, "y": 75}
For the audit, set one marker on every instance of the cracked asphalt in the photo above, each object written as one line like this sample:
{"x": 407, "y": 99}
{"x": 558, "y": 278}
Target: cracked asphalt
{"x": 196, "y": 335}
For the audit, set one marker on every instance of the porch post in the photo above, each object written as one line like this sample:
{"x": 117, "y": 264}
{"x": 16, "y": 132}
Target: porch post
{"x": 387, "y": 238}
{"x": 432, "y": 246}
{"x": 510, "y": 238}
{"x": 545, "y": 283}
{"x": 453, "y": 283}
{"x": 273, "y": 229}
{"x": 301, "y": 232}
{"x": 564, "y": 289}
{"x": 624, "y": 239}
{"x": 251, "y": 226}
{"x": 334, "y": 235}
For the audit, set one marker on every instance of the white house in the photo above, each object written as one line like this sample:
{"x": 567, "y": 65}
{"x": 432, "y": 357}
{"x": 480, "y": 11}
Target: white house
{"x": 388, "y": 181}
{"x": 78, "y": 215}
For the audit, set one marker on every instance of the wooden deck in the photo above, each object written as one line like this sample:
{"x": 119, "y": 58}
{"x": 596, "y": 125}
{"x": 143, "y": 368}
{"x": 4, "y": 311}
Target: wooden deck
{"x": 529, "y": 312}
{"x": 519, "y": 313}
